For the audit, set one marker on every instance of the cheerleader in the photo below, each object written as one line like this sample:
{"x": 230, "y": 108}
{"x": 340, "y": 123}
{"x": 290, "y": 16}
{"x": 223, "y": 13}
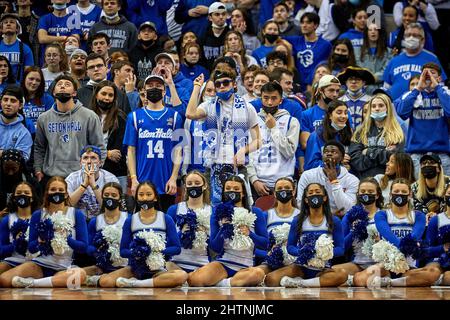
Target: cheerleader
{"x": 395, "y": 226}
{"x": 14, "y": 228}
{"x": 438, "y": 237}
{"x": 234, "y": 242}
{"x": 279, "y": 219}
{"x": 105, "y": 233}
{"x": 369, "y": 201}
{"x": 194, "y": 252}
{"x": 313, "y": 228}
{"x": 56, "y": 231}
{"x": 149, "y": 238}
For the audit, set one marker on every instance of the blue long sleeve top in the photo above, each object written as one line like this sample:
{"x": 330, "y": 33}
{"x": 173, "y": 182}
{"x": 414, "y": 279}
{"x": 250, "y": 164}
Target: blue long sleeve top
{"x": 436, "y": 248}
{"x": 259, "y": 236}
{"x": 338, "y": 238}
{"x": 173, "y": 246}
{"x": 79, "y": 244}
{"x": 6, "y": 247}
{"x": 386, "y": 233}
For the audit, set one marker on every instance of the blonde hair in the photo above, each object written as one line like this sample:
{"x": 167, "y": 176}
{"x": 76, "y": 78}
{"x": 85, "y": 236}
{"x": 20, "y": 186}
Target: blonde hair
{"x": 392, "y": 132}
{"x": 206, "y": 197}
{"x": 439, "y": 191}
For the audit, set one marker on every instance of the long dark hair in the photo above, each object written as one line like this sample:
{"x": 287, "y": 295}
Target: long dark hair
{"x": 41, "y": 88}
{"x": 329, "y": 133}
{"x": 35, "y": 199}
{"x": 304, "y": 212}
{"x": 151, "y": 185}
{"x": 351, "y": 53}
{"x": 381, "y": 43}
{"x": 47, "y": 187}
{"x": 11, "y": 79}
{"x": 401, "y": 33}
{"x": 292, "y": 182}
{"x": 244, "y": 190}
{"x": 111, "y": 120}
{"x": 380, "y": 201}
{"x": 404, "y": 168}
{"x": 250, "y": 30}
{"x": 114, "y": 185}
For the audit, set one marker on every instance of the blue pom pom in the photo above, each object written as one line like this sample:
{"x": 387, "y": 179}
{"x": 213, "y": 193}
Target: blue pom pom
{"x": 275, "y": 258}
{"x": 444, "y": 234}
{"x": 46, "y": 234}
{"x": 307, "y": 248}
{"x": 358, "y": 219}
{"x": 272, "y": 240}
{"x": 187, "y": 237}
{"x": 444, "y": 260}
{"x": 101, "y": 254}
{"x": 20, "y": 242}
{"x": 410, "y": 247}
{"x": 139, "y": 253}
{"x": 227, "y": 230}
{"x": 224, "y": 210}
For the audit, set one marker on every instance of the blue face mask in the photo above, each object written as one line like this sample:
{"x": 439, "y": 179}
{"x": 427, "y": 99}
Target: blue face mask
{"x": 355, "y": 2}
{"x": 59, "y": 6}
{"x": 225, "y": 96}
{"x": 336, "y": 127}
{"x": 378, "y": 116}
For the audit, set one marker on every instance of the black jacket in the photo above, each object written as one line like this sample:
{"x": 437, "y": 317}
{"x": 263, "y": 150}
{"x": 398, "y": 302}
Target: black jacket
{"x": 212, "y": 46}
{"x": 115, "y": 141}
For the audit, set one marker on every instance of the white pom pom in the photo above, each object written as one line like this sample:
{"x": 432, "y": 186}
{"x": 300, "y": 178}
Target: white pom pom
{"x": 203, "y": 226}
{"x": 113, "y": 235}
{"x": 155, "y": 241}
{"x": 390, "y": 257}
{"x": 200, "y": 241}
{"x": 324, "y": 247}
{"x": 372, "y": 236}
{"x": 155, "y": 261}
{"x": 62, "y": 227}
{"x": 281, "y": 233}
{"x": 242, "y": 217}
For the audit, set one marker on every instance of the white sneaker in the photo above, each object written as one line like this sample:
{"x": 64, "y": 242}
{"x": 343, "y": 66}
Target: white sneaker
{"x": 125, "y": 282}
{"x": 20, "y": 282}
{"x": 289, "y": 282}
{"x": 92, "y": 281}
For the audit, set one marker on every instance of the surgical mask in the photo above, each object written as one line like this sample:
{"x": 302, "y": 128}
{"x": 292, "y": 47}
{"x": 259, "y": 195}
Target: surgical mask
{"x": 229, "y": 6}
{"x": 378, "y": 116}
{"x": 355, "y": 2}
{"x": 56, "y": 198}
{"x": 357, "y": 93}
{"x": 271, "y": 38}
{"x": 146, "y": 205}
{"x": 71, "y": 48}
{"x": 104, "y": 105}
{"x": 366, "y": 199}
{"x": 284, "y": 196}
{"x": 219, "y": 27}
{"x": 400, "y": 200}
{"x": 225, "y": 96}
{"x": 337, "y": 127}
{"x": 22, "y": 201}
{"x": 195, "y": 192}
{"x": 411, "y": 43}
{"x": 59, "y": 6}
{"x": 429, "y": 172}
{"x": 112, "y": 17}
{"x": 315, "y": 201}
{"x": 154, "y": 95}
{"x": 209, "y": 99}
{"x": 232, "y": 196}
{"x": 340, "y": 58}
{"x": 63, "y": 97}
{"x": 270, "y": 110}
{"x": 110, "y": 203}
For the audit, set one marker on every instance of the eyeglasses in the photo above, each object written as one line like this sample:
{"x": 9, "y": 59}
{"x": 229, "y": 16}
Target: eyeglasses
{"x": 97, "y": 66}
{"x": 224, "y": 83}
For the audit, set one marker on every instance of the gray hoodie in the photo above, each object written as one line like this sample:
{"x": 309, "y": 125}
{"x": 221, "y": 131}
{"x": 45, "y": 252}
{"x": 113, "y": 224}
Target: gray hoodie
{"x": 61, "y": 136}
{"x": 123, "y": 34}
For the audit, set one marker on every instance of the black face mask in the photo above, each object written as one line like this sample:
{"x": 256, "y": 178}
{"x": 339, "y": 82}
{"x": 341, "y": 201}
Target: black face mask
{"x": 104, "y": 105}
{"x": 154, "y": 95}
{"x": 146, "y": 205}
{"x": 326, "y": 99}
{"x": 63, "y": 97}
{"x": 447, "y": 200}
{"x": 22, "y": 201}
{"x": 366, "y": 199}
{"x": 340, "y": 58}
{"x": 147, "y": 43}
{"x": 56, "y": 198}
{"x": 9, "y": 116}
{"x": 195, "y": 192}
{"x": 315, "y": 201}
{"x": 110, "y": 203}
{"x": 429, "y": 172}
{"x": 232, "y": 196}
{"x": 271, "y": 38}
{"x": 400, "y": 200}
{"x": 284, "y": 196}
{"x": 271, "y": 110}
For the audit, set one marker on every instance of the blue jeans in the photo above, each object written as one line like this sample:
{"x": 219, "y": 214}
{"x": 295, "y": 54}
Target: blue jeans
{"x": 445, "y": 160}
{"x": 123, "y": 181}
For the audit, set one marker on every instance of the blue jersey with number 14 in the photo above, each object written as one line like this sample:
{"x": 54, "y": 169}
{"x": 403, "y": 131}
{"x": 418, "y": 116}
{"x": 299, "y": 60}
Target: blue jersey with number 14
{"x": 154, "y": 135}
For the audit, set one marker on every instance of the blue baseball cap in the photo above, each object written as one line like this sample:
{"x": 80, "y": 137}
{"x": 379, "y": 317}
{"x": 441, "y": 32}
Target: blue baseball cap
{"x": 91, "y": 148}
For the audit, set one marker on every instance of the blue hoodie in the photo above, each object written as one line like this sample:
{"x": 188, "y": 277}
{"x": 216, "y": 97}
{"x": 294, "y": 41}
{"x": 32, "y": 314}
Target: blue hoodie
{"x": 193, "y": 72}
{"x": 184, "y": 88}
{"x": 15, "y": 136}
{"x": 356, "y": 37}
{"x": 196, "y": 25}
{"x": 140, "y": 11}
{"x": 428, "y": 113}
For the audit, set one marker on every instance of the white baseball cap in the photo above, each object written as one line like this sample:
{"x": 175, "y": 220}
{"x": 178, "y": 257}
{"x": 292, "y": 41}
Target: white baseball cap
{"x": 327, "y": 80}
{"x": 216, "y": 7}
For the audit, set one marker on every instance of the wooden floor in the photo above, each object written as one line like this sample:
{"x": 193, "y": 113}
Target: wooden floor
{"x": 257, "y": 293}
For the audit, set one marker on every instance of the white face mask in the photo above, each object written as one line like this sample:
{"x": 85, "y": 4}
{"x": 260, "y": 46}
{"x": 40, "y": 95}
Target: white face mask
{"x": 219, "y": 27}
{"x": 112, "y": 17}
{"x": 337, "y": 127}
{"x": 209, "y": 99}
{"x": 411, "y": 43}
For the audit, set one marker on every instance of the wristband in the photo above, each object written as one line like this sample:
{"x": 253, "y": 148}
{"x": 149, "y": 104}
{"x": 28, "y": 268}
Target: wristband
{"x": 83, "y": 186}
{"x": 96, "y": 187}
{"x": 133, "y": 176}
